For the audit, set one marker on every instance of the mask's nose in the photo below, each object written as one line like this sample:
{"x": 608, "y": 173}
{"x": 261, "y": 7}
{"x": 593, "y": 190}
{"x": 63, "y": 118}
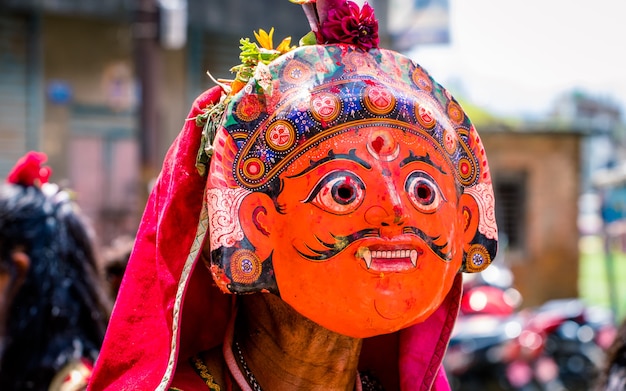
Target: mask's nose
{"x": 389, "y": 214}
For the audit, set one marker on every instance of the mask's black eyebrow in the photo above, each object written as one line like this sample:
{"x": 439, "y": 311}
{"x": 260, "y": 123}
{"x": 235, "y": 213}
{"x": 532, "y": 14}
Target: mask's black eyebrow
{"x": 424, "y": 159}
{"x": 351, "y": 155}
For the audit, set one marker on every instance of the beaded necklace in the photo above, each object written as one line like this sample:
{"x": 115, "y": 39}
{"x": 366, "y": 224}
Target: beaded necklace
{"x": 249, "y": 375}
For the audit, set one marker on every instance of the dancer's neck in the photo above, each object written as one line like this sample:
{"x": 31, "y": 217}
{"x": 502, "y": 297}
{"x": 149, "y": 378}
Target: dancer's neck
{"x": 284, "y": 350}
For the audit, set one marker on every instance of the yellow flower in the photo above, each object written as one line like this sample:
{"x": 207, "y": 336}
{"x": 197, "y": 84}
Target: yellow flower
{"x": 264, "y": 39}
{"x": 285, "y": 46}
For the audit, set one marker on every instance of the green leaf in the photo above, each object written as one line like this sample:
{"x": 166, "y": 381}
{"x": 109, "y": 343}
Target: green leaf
{"x": 308, "y": 39}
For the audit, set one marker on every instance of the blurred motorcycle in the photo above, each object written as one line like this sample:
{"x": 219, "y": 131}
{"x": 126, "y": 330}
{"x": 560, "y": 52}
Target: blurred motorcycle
{"x": 561, "y": 346}
{"x": 557, "y": 346}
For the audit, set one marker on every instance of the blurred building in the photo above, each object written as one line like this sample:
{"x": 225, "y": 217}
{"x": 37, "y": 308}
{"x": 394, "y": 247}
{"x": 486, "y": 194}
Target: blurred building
{"x": 536, "y": 178}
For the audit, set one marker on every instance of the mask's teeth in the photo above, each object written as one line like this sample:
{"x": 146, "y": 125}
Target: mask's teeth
{"x": 413, "y": 256}
{"x": 367, "y": 257}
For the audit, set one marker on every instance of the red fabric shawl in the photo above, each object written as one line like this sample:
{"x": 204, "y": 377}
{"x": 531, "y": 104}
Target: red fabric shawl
{"x": 150, "y": 337}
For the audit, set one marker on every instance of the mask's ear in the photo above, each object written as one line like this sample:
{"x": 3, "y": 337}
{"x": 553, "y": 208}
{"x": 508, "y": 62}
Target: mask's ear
{"x": 476, "y": 257}
{"x": 468, "y": 207}
{"x": 257, "y": 218}
{"x": 247, "y": 266}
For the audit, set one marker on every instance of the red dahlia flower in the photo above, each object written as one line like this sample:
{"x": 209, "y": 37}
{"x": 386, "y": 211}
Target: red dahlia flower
{"x": 347, "y": 23}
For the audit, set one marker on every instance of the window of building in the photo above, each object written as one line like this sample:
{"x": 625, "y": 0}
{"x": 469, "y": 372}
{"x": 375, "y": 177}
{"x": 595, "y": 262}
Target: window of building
{"x": 510, "y": 193}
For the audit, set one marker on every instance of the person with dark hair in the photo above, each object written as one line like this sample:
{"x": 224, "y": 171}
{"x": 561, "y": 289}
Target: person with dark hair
{"x": 310, "y": 226}
{"x": 54, "y": 310}
{"x": 115, "y": 258}
{"x": 613, "y": 376}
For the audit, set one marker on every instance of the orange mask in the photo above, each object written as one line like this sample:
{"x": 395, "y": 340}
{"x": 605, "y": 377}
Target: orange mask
{"x": 350, "y": 184}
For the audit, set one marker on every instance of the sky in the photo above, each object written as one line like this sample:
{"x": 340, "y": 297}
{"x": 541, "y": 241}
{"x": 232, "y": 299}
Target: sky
{"x": 516, "y": 57}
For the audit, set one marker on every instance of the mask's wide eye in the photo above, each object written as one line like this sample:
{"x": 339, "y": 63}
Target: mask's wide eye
{"x": 423, "y": 192}
{"x": 338, "y": 192}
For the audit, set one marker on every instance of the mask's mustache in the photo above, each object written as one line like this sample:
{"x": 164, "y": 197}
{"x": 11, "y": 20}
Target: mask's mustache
{"x": 341, "y": 242}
